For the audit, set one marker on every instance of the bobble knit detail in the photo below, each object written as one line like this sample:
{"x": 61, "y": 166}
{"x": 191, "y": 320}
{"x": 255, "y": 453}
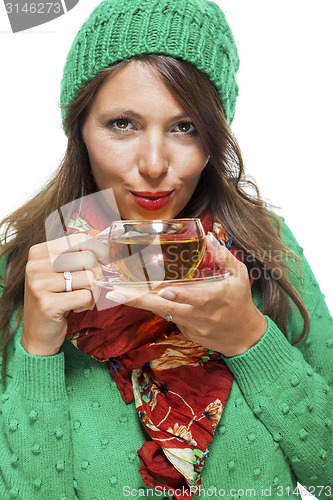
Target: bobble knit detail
{"x": 303, "y": 434}
{"x": 132, "y": 456}
{"x": 14, "y": 460}
{"x": 59, "y": 434}
{"x": 195, "y": 31}
{"x": 37, "y": 483}
{"x": 231, "y": 465}
{"x": 33, "y": 416}
{"x": 221, "y": 430}
{"x": 285, "y": 408}
{"x": 104, "y": 442}
{"x": 60, "y": 465}
{"x": 36, "y": 449}
{"x": 277, "y": 437}
{"x": 76, "y": 425}
{"x": 252, "y": 437}
{"x": 256, "y": 473}
{"x": 294, "y": 381}
{"x": 13, "y": 425}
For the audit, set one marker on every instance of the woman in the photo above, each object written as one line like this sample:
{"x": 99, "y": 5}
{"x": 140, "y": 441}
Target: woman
{"x": 220, "y": 389}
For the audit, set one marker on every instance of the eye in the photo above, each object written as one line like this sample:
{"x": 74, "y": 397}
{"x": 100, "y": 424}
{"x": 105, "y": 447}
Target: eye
{"x": 186, "y": 127}
{"x": 120, "y": 125}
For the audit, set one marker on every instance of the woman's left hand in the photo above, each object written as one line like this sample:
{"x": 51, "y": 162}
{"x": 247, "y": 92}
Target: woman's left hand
{"x": 219, "y": 315}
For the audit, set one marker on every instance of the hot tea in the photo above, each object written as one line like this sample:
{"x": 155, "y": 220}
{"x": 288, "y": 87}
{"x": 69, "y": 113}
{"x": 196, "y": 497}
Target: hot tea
{"x": 166, "y": 257}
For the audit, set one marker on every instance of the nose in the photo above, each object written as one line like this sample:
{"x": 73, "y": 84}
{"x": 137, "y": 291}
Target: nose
{"x": 153, "y": 158}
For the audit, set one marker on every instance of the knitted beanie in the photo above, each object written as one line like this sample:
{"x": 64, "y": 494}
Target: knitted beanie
{"x": 195, "y": 31}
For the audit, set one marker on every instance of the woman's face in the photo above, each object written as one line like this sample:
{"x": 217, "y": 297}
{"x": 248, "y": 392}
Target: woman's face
{"x": 143, "y": 145}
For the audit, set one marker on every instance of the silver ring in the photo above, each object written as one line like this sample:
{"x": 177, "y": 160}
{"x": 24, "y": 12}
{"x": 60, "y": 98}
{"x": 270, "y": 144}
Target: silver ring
{"x": 68, "y": 281}
{"x": 168, "y": 317}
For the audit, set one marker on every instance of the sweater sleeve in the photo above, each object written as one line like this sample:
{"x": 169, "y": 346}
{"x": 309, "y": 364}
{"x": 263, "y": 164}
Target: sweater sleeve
{"x": 289, "y": 387}
{"x": 35, "y": 438}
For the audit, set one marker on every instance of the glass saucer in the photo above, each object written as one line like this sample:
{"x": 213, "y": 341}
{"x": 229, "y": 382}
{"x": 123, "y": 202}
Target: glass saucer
{"x": 201, "y": 276}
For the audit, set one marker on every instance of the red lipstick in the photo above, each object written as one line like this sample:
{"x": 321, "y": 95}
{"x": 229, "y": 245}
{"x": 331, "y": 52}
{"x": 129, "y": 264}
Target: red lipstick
{"x": 152, "y": 201}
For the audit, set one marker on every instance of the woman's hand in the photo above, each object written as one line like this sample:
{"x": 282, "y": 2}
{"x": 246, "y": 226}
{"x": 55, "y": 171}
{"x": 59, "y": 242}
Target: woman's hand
{"x": 46, "y": 303}
{"x": 218, "y": 315}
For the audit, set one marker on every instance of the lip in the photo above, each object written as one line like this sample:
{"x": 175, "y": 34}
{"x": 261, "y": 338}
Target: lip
{"x": 152, "y": 201}
{"x": 150, "y": 194}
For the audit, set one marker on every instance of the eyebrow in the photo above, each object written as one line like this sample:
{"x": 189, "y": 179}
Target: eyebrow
{"x": 120, "y": 111}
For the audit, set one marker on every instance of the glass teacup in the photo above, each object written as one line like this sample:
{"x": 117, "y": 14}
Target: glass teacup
{"x": 158, "y": 250}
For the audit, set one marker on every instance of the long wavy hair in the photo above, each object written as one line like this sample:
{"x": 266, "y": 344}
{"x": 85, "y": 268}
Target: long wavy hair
{"x": 222, "y": 189}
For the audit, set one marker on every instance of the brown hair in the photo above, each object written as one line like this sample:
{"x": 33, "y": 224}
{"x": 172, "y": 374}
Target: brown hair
{"x": 222, "y": 189}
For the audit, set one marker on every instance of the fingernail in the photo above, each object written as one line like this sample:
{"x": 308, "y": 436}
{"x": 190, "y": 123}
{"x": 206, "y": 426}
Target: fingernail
{"x": 166, "y": 294}
{"x": 116, "y": 297}
{"x": 213, "y": 240}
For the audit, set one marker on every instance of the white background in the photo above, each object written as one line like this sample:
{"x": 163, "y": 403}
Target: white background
{"x": 283, "y": 120}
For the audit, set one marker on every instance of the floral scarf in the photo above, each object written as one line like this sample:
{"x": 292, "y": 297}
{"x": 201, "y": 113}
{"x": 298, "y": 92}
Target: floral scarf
{"x": 179, "y": 387}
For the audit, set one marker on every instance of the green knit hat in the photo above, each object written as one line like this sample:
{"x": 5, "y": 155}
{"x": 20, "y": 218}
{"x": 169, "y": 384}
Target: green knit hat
{"x": 195, "y": 31}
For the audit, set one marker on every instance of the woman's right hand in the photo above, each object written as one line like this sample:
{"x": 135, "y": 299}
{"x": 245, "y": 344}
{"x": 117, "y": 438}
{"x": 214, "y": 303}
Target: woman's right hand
{"x": 46, "y": 303}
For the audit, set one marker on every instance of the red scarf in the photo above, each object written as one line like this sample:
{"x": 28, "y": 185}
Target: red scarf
{"x": 180, "y": 388}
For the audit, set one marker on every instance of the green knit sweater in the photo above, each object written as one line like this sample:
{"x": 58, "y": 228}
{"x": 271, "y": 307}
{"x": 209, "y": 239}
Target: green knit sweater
{"x": 66, "y": 433}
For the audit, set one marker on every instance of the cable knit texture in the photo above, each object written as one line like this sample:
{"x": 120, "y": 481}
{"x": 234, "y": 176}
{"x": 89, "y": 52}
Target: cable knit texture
{"x": 66, "y": 432}
{"x": 195, "y": 31}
